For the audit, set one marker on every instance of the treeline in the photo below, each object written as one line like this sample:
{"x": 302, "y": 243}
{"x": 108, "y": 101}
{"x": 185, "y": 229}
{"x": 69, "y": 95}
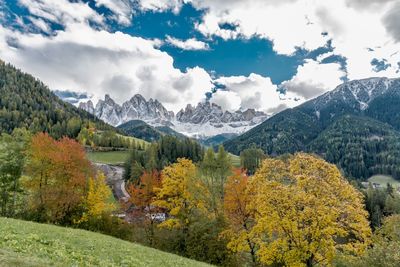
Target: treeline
{"x": 27, "y": 103}
{"x": 213, "y": 212}
{"x": 160, "y": 154}
{"x": 96, "y": 139}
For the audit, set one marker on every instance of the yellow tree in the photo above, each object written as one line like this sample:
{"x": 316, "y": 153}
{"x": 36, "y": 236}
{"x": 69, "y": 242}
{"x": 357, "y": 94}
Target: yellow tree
{"x": 182, "y": 195}
{"x": 98, "y": 199}
{"x": 305, "y": 211}
{"x": 240, "y": 218}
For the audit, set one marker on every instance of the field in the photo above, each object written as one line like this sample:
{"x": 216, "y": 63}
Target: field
{"x": 383, "y": 180}
{"x": 111, "y": 157}
{"x": 138, "y": 141}
{"x": 235, "y": 160}
{"x": 32, "y": 244}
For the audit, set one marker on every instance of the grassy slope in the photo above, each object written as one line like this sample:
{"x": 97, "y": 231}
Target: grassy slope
{"x": 111, "y": 157}
{"x": 383, "y": 180}
{"x": 31, "y": 244}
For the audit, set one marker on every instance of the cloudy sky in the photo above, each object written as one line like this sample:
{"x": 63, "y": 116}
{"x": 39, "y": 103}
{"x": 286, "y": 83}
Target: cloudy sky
{"x": 263, "y": 54}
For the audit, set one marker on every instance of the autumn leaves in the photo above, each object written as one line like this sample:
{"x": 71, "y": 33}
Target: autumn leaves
{"x": 56, "y": 180}
{"x": 297, "y": 211}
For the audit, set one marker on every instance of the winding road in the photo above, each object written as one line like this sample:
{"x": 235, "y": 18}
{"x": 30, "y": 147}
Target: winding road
{"x": 115, "y": 180}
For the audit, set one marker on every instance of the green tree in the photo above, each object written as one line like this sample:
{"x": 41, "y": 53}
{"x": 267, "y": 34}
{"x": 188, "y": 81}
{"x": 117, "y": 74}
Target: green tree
{"x": 12, "y": 160}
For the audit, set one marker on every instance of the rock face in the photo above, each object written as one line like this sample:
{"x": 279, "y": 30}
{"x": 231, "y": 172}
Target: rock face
{"x": 210, "y": 112}
{"x": 137, "y": 108}
{"x": 204, "y": 120}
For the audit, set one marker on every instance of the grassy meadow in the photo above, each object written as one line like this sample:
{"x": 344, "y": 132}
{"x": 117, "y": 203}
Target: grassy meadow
{"x": 32, "y": 244}
{"x": 383, "y": 180}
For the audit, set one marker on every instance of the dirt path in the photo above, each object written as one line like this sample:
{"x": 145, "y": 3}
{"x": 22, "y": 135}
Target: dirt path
{"x": 115, "y": 180}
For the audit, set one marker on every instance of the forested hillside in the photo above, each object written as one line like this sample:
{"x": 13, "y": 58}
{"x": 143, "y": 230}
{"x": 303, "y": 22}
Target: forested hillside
{"x": 26, "y": 102}
{"x": 362, "y": 145}
{"x": 142, "y": 130}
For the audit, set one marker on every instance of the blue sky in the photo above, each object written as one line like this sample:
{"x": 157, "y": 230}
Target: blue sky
{"x": 179, "y": 51}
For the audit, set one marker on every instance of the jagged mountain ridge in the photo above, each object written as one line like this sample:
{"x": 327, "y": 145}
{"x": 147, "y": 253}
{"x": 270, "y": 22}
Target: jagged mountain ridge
{"x": 137, "y": 108}
{"x": 204, "y": 120}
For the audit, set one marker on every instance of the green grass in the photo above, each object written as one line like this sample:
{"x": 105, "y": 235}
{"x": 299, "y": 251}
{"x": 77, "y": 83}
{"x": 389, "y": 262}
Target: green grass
{"x": 31, "y": 244}
{"x": 109, "y": 157}
{"x": 383, "y": 180}
{"x": 235, "y": 160}
{"x": 137, "y": 140}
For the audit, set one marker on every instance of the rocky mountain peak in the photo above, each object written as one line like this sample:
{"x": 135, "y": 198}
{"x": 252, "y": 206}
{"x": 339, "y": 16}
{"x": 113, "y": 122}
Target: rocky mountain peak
{"x": 208, "y": 112}
{"x": 137, "y": 108}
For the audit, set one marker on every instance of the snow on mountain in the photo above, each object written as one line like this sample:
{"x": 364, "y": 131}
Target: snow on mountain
{"x": 357, "y": 93}
{"x": 137, "y": 108}
{"x": 204, "y": 120}
{"x": 208, "y": 119}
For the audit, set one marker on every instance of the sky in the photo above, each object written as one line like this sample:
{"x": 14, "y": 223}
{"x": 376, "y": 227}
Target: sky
{"x": 263, "y": 54}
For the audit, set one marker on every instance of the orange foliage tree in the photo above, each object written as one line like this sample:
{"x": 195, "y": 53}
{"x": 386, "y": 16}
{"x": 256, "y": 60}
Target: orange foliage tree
{"x": 240, "y": 218}
{"x": 142, "y": 195}
{"x": 57, "y": 172}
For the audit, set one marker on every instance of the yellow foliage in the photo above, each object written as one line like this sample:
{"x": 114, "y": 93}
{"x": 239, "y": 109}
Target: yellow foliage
{"x": 98, "y": 198}
{"x": 305, "y": 211}
{"x": 181, "y": 194}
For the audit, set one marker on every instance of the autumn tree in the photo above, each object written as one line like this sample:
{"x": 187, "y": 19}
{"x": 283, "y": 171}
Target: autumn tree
{"x": 142, "y": 195}
{"x": 385, "y": 250}
{"x": 98, "y": 199}
{"x": 183, "y": 196}
{"x": 240, "y": 218}
{"x": 305, "y": 211}
{"x": 57, "y": 172}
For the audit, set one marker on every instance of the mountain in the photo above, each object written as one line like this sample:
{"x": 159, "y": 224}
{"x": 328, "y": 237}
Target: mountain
{"x": 360, "y": 146}
{"x": 27, "y": 102}
{"x": 212, "y": 113}
{"x": 202, "y": 121}
{"x": 137, "y": 108}
{"x": 313, "y": 126}
{"x": 142, "y": 130}
{"x": 217, "y": 139}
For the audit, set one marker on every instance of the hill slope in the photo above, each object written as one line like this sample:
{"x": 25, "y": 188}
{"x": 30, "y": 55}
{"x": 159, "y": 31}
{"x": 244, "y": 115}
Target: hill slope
{"x": 311, "y": 126}
{"x": 361, "y": 146}
{"x": 27, "y": 102}
{"x": 142, "y": 130}
{"x": 32, "y": 244}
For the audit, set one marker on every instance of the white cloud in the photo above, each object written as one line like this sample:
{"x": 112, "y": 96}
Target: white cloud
{"x": 62, "y": 11}
{"x": 313, "y": 79}
{"x": 254, "y": 91}
{"x": 352, "y": 25}
{"x": 228, "y": 100}
{"x": 189, "y": 44}
{"x": 40, "y": 24}
{"x": 122, "y": 9}
{"x": 161, "y": 5}
{"x": 286, "y": 23}
{"x": 84, "y": 59}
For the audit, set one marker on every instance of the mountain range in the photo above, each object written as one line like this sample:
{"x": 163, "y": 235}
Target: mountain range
{"x": 201, "y": 121}
{"x": 355, "y": 126}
